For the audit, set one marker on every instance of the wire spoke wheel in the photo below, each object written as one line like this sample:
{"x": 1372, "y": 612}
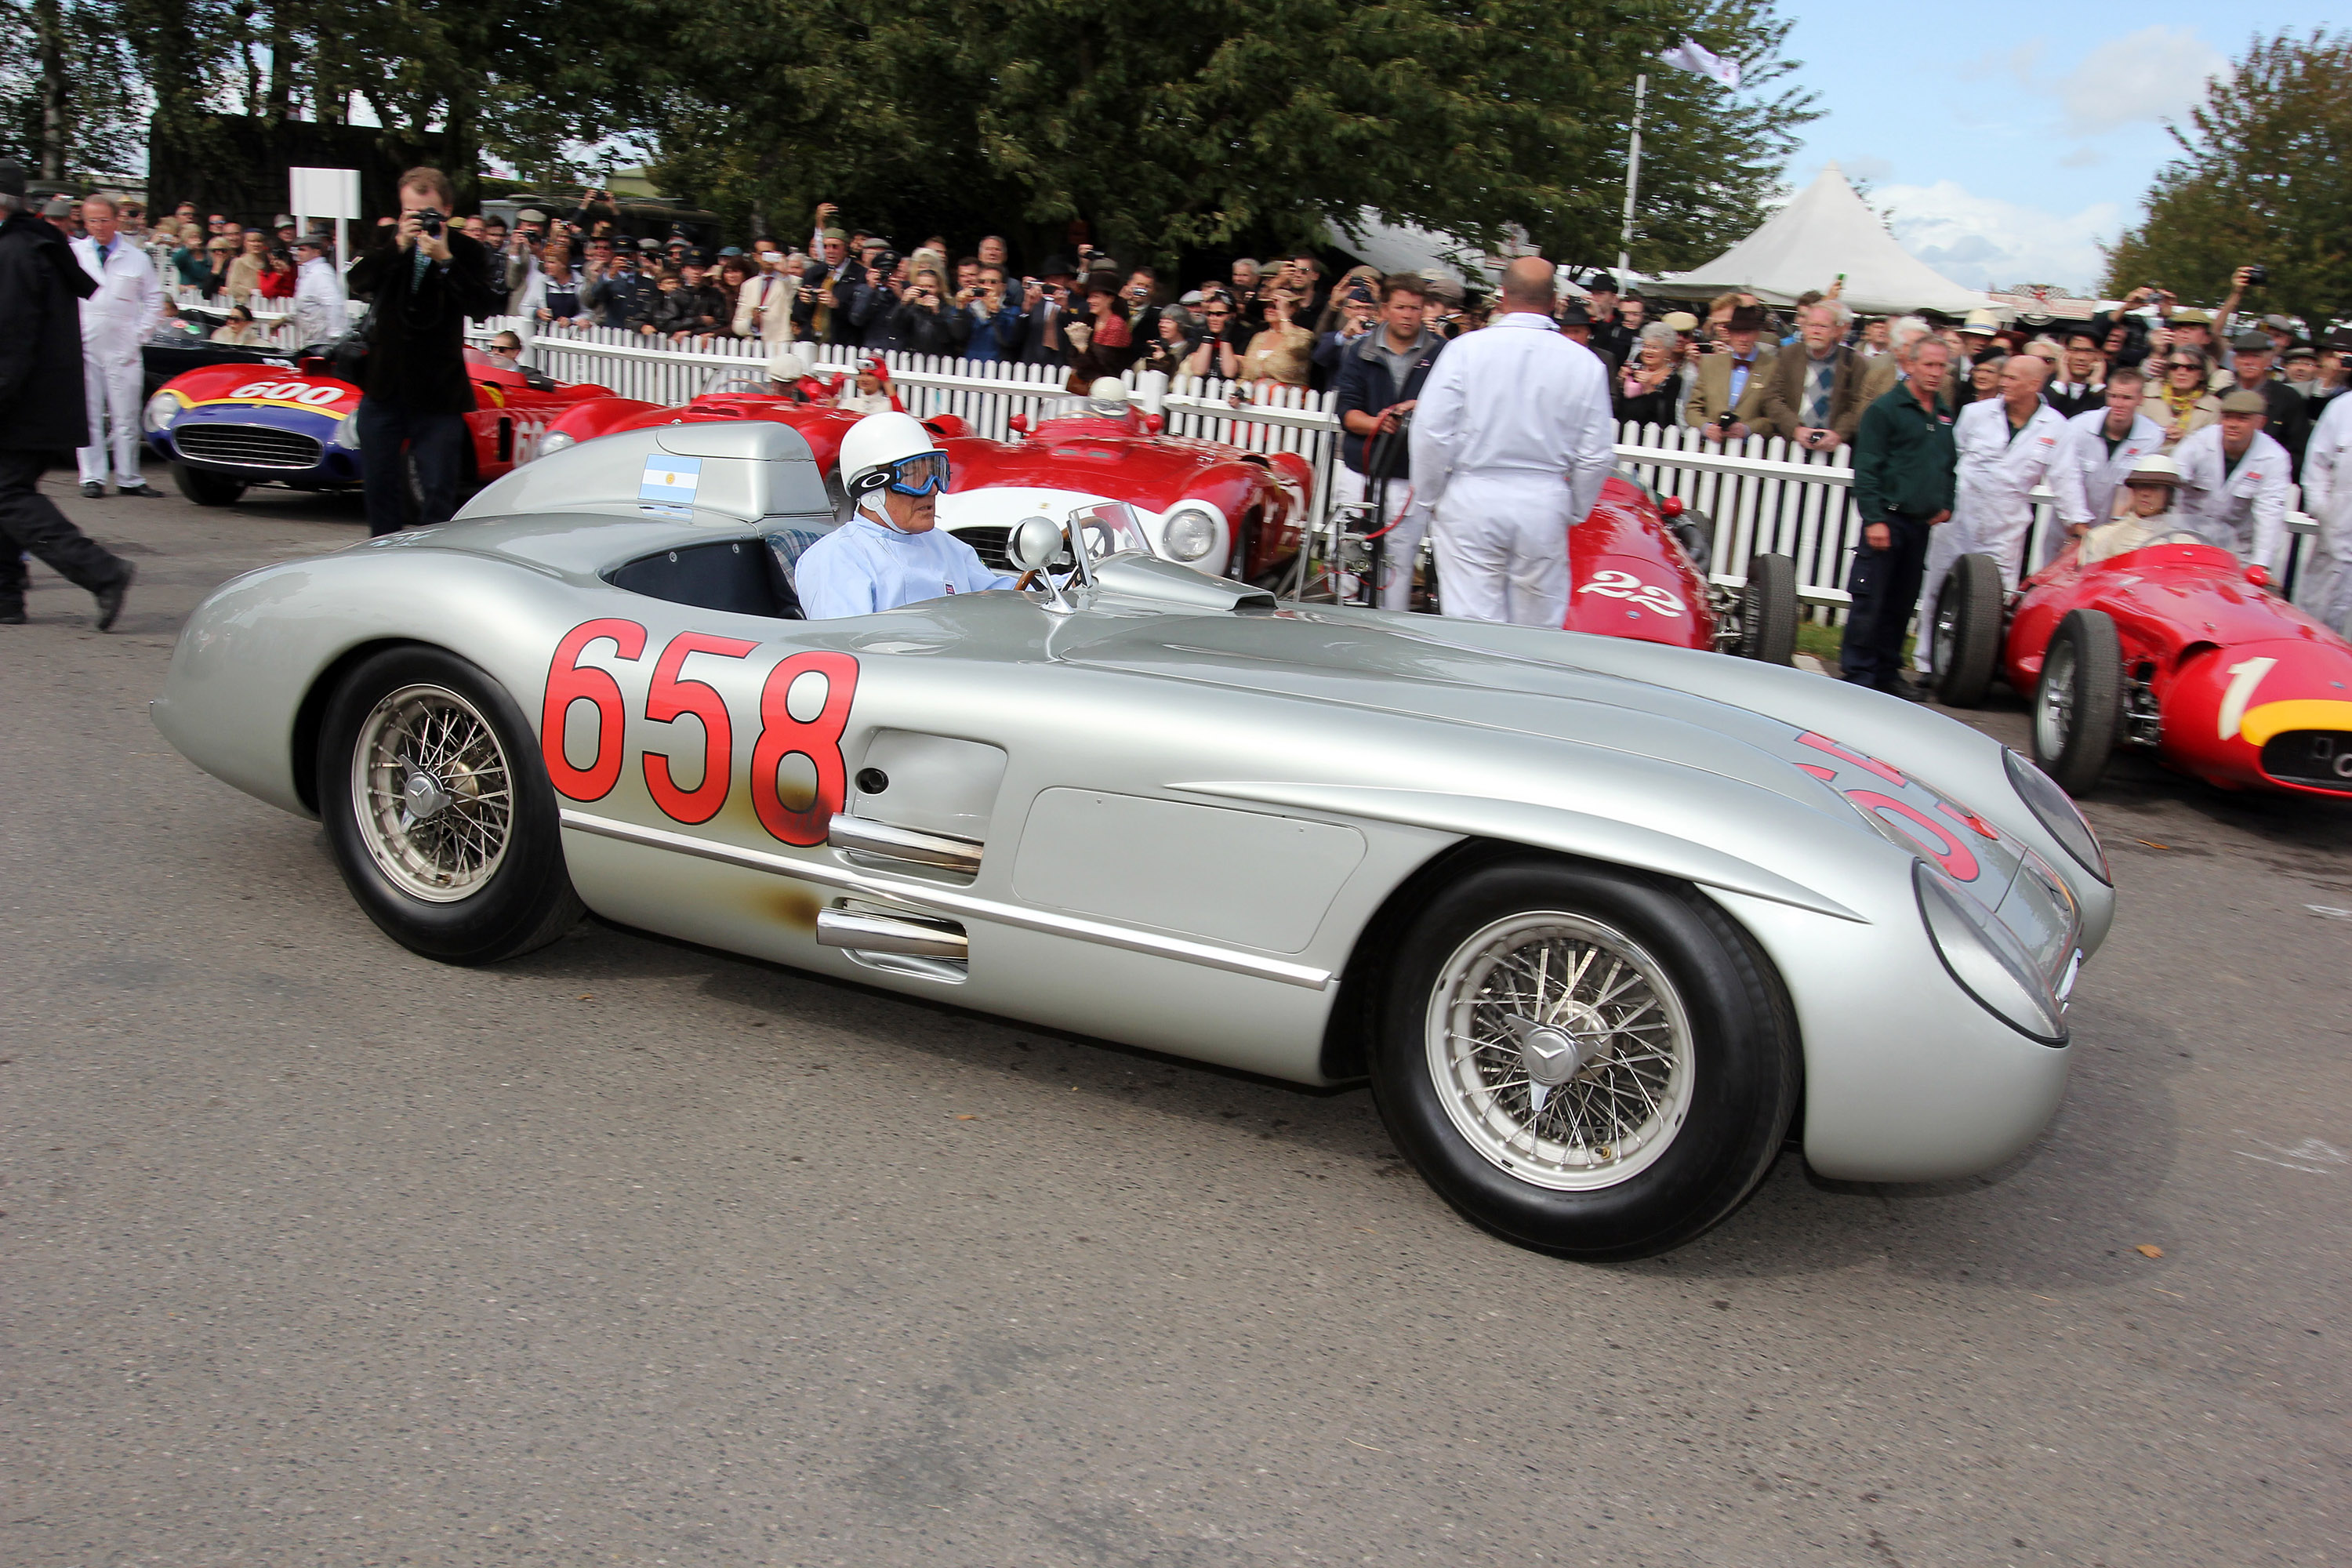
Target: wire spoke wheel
{"x": 1561, "y": 1050}
{"x": 432, "y": 793}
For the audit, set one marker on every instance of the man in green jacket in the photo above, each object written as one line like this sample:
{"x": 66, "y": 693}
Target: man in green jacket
{"x": 1904, "y": 465}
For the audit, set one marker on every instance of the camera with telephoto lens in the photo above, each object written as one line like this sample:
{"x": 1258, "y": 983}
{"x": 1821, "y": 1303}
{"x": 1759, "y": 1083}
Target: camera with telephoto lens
{"x": 429, "y": 220}
{"x": 2256, "y": 277}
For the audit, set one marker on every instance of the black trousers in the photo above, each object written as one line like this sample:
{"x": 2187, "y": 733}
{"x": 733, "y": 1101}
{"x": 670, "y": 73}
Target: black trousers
{"x": 1885, "y": 588}
{"x": 31, "y": 523}
{"x": 392, "y": 437}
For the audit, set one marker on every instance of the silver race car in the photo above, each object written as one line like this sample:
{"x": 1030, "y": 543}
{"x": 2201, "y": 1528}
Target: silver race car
{"x": 1604, "y": 923}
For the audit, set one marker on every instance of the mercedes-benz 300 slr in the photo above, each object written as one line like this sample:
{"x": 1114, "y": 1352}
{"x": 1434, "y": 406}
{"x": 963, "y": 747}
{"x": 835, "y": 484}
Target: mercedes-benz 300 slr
{"x": 1604, "y": 923}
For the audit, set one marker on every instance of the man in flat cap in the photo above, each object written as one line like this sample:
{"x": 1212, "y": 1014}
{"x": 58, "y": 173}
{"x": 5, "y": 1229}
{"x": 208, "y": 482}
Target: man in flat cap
{"x": 2234, "y": 481}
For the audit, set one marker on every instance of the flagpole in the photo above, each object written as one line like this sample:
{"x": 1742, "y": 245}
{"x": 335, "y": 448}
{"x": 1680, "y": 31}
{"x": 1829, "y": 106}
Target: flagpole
{"x": 1633, "y": 175}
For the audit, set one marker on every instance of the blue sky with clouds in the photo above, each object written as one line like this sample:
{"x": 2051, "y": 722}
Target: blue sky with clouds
{"x": 2008, "y": 141}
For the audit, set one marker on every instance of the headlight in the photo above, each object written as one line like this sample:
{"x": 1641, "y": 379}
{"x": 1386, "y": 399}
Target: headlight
{"x": 161, "y": 409}
{"x": 2056, "y": 810}
{"x": 1189, "y": 534}
{"x": 555, "y": 441}
{"x": 1989, "y": 964}
{"x": 347, "y": 432}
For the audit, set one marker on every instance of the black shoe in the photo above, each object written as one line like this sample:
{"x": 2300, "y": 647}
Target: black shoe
{"x": 142, "y": 488}
{"x": 109, "y": 598}
{"x": 12, "y": 614}
{"x": 92, "y": 490}
{"x": 1909, "y": 691}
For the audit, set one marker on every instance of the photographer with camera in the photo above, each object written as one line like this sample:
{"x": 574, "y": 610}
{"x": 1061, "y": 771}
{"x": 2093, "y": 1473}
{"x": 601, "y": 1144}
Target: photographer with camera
{"x": 424, "y": 279}
{"x": 924, "y": 324}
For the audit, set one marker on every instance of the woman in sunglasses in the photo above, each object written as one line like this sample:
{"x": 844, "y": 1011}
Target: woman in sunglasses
{"x": 890, "y": 551}
{"x": 2184, "y": 401}
{"x": 1216, "y": 354}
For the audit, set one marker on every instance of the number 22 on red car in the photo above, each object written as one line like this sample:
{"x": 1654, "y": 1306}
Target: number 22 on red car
{"x": 803, "y": 712}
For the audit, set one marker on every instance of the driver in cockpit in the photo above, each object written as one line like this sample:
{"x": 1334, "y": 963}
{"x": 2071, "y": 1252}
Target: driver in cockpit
{"x": 2144, "y": 514}
{"x": 890, "y": 551}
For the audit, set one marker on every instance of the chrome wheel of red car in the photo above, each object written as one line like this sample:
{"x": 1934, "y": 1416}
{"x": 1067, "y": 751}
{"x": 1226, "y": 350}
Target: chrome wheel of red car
{"x": 2078, "y": 702}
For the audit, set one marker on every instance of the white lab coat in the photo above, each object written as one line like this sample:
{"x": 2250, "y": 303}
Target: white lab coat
{"x": 2325, "y": 587}
{"x": 115, "y": 323}
{"x": 1511, "y": 443}
{"x": 2239, "y": 506}
{"x": 862, "y": 567}
{"x": 2085, "y": 475}
{"x": 320, "y": 312}
{"x": 1992, "y": 508}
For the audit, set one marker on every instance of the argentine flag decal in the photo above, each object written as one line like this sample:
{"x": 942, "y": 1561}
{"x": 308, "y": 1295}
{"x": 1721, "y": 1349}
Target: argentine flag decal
{"x": 670, "y": 478}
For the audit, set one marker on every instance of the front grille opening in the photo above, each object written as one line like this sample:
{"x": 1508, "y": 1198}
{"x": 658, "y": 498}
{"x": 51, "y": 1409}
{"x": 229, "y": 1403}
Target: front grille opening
{"x": 2319, "y": 758}
{"x": 248, "y": 445}
{"x": 988, "y": 544}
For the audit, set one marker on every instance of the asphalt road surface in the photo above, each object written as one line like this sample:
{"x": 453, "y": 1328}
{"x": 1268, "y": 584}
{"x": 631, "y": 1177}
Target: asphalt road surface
{"x": 315, "y": 1252}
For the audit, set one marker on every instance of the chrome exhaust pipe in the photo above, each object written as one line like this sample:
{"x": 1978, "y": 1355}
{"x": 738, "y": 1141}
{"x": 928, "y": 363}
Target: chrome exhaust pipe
{"x": 912, "y": 935}
{"x": 867, "y": 837}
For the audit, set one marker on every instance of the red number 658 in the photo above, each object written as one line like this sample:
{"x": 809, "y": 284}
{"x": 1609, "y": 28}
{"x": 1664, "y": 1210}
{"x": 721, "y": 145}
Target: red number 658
{"x": 784, "y": 734}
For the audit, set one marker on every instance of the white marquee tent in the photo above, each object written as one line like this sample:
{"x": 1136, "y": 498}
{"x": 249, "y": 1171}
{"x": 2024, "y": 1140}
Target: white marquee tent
{"x": 1825, "y": 231}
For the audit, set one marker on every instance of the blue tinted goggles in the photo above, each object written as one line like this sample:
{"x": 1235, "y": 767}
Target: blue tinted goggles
{"x": 925, "y": 473}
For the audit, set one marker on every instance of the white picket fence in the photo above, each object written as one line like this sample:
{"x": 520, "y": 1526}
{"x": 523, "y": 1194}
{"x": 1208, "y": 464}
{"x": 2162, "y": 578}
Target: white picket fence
{"x": 1763, "y": 495}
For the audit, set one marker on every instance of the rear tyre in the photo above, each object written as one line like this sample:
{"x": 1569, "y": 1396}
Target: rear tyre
{"x": 206, "y": 490}
{"x": 2078, "y": 703}
{"x": 1587, "y": 1061}
{"x": 1964, "y": 645}
{"x": 438, "y": 810}
{"x": 1767, "y": 611}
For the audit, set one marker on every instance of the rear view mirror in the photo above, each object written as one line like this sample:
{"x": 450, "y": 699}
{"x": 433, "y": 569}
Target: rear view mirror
{"x": 1018, "y": 425}
{"x": 1035, "y": 544}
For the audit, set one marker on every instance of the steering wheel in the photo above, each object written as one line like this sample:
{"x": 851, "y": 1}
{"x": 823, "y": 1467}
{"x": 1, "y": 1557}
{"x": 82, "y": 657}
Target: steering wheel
{"x": 2178, "y": 536}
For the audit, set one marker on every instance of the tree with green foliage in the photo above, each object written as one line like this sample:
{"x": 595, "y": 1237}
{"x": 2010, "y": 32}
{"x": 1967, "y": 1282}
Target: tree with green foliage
{"x": 2265, "y": 177}
{"x": 1188, "y": 124}
{"x": 69, "y": 103}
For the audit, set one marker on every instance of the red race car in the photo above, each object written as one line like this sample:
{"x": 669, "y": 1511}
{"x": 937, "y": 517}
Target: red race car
{"x": 1216, "y": 507}
{"x": 2173, "y": 648}
{"x": 226, "y": 426}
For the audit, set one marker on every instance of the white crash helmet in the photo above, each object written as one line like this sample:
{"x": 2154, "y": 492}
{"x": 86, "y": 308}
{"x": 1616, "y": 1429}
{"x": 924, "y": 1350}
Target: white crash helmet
{"x": 891, "y": 450}
{"x": 1107, "y": 397}
{"x": 2156, "y": 468}
{"x": 787, "y": 367}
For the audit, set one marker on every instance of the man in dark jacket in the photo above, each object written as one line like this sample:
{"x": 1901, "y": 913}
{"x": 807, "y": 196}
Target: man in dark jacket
{"x": 424, "y": 283}
{"x": 1906, "y": 467}
{"x": 42, "y": 413}
{"x": 1373, "y": 390}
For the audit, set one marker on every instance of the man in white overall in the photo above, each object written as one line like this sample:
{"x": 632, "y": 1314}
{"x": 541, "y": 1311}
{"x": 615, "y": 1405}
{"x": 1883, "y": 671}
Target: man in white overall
{"x": 2325, "y": 589}
{"x": 2234, "y": 481}
{"x": 2006, "y": 446}
{"x": 1511, "y": 442}
{"x": 115, "y": 323}
{"x": 2101, "y": 445}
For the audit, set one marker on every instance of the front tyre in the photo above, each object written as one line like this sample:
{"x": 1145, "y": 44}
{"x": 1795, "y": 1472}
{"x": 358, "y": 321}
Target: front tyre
{"x": 1585, "y": 1060}
{"x": 2078, "y": 703}
{"x": 438, "y": 810}
{"x": 206, "y": 489}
